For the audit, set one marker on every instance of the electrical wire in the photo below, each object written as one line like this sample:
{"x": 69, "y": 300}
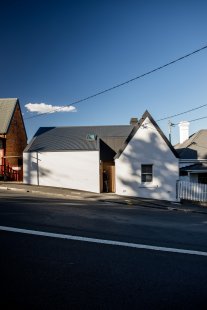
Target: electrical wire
{"x": 123, "y": 83}
{"x": 178, "y": 114}
{"x": 193, "y": 120}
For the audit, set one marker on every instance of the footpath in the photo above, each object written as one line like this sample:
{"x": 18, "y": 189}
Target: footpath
{"x": 57, "y": 192}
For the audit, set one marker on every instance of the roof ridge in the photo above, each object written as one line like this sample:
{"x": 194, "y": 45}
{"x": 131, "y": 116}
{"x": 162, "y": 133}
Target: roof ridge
{"x": 83, "y": 126}
{"x": 9, "y": 98}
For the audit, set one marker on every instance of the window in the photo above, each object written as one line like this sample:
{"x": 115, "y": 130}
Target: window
{"x": 20, "y": 162}
{"x": 183, "y": 173}
{"x": 146, "y": 173}
{"x": 90, "y": 137}
{"x": 202, "y": 178}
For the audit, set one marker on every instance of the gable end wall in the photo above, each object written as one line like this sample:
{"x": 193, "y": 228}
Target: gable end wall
{"x": 147, "y": 147}
{"x": 16, "y": 139}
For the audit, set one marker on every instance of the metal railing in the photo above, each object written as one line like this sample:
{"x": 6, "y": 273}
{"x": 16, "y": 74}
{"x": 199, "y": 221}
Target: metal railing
{"x": 8, "y": 174}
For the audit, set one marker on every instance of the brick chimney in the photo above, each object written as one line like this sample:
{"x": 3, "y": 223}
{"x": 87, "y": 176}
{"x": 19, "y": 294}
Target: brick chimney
{"x": 184, "y": 131}
{"x": 134, "y": 121}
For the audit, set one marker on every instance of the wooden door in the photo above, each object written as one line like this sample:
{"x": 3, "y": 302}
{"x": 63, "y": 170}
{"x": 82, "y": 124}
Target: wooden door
{"x": 1, "y": 156}
{"x": 109, "y": 167}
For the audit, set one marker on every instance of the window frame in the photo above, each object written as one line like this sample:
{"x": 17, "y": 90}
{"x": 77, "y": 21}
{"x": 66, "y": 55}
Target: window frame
{"x": 144, "y": 174}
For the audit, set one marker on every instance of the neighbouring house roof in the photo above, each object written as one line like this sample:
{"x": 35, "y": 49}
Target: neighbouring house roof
{"x": 195, "y": 147}
{"x": 7, "y": 108}
{"x": 51, "y": 139}
{"x": 201, "y": 167}
{"x": 136, "y": 128}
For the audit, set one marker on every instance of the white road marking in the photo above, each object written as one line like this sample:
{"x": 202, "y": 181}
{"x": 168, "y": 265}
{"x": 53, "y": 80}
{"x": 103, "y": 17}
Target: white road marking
{"x": 102, "y": 241}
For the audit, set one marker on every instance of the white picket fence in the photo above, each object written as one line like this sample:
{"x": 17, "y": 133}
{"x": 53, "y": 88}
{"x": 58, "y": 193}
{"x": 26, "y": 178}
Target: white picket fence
{"x": 192, "y": 191}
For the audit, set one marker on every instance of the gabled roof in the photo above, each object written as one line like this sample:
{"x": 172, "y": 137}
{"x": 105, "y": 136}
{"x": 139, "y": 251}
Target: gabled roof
{"x": 51, "y": 139}
{"x": 195, "y": 147}
{"x": 7, "y": 108}
{"x": 136, "y": 128}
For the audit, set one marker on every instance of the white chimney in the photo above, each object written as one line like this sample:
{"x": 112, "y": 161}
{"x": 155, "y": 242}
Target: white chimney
{"x": 184, "y": 130}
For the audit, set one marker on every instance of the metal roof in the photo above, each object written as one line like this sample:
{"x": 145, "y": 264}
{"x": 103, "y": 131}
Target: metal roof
{"x": 7, "y": 107}
{"x": 75, "y": 138}
{"x": 195, "y": 147}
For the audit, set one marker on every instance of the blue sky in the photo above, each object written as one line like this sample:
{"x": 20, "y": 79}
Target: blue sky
{"x": 57, "y": 52}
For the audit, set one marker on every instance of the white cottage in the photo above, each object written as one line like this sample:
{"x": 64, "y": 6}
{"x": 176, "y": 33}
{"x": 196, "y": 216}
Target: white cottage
{"x": 138, "y": 158}
{"x": 147, "y": 166}
{"x": 74, "y": 157}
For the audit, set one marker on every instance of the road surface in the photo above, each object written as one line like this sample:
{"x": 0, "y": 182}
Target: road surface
{"x": 129, "y": 257}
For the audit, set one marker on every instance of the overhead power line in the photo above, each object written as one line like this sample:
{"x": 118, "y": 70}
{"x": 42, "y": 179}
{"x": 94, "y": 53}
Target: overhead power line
{"x": 197, "y": 119}
{"x": 192, "y": 120}
{"x": 123, "y": 83}
{"x": 170, "y": 125}
{"x": 178, "y": 114}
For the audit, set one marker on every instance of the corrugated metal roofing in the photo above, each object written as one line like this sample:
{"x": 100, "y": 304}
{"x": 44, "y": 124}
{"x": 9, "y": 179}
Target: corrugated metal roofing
{"x": 7, "y": 107}
{"x": 195, "y": 147}
{"x": 75, "y": 138}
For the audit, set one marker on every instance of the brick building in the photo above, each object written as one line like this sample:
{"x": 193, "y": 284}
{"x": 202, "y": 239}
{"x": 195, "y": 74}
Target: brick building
{"x": 13, "y": 140}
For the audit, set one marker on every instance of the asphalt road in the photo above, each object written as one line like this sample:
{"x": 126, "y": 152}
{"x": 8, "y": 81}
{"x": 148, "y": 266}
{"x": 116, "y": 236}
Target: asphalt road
{"x": 42, "y": 272}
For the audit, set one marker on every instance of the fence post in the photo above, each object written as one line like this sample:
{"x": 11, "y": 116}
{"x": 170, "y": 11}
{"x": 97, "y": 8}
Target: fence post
{"x": 178, "y": 190}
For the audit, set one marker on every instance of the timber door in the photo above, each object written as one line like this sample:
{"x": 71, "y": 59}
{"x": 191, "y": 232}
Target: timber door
{"x": 109, "y": 167}
{"x": 1, "y": 152}
{"x": 1, "y": 156}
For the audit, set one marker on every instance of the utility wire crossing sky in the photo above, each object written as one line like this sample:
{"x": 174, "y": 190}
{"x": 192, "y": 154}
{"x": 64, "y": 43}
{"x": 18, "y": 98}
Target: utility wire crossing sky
{"x": 69, "y": 108}
{"x": 53, "y": 53}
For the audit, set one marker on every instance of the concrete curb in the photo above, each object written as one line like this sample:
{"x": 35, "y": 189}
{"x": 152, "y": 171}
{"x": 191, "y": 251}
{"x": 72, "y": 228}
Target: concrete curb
{"x": 13, "y": 189}
{"x": 156, "y": 206}
{"x": 118, "y": 200}
{"x": 45, "y": 193}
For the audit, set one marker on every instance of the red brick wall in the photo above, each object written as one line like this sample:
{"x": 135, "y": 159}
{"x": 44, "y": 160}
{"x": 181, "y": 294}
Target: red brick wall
{"x": 16, "y": 139}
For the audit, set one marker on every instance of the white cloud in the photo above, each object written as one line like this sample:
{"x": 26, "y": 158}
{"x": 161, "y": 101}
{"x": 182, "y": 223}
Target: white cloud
{"x": 40, "y": 108}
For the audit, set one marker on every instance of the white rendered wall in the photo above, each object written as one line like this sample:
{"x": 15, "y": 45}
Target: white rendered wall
{"x": 75, "y": 170}
{"x": 147, "y": 147}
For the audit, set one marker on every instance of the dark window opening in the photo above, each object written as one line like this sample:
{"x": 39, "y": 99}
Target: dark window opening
{"x": 20, "y": 162}
{"x": 183, "y": 173}
{"x": 146, "y": 173}
{"x": 202, "y": 178}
